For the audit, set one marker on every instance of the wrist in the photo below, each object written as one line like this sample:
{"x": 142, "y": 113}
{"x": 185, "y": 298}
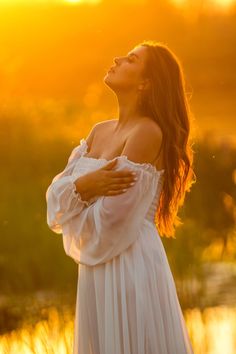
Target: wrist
{"x": 81, "y": 189}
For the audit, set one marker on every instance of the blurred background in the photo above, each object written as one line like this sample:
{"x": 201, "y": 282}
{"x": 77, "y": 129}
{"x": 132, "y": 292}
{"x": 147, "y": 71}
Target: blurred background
{"x": 54, "y": 55}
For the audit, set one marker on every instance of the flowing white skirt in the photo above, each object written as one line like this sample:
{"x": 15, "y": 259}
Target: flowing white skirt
{"x": 130, "y": 304}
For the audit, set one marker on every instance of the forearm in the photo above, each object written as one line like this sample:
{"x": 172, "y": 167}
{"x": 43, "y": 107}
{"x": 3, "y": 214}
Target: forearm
{"x": 109, "y": 226}
{"x": 83, "y": 189}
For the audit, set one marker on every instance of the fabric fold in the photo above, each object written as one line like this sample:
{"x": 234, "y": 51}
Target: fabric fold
{"x": 112, "y": 223}
{"x": 63, "y": 201}
{"x": 126, "y": 296}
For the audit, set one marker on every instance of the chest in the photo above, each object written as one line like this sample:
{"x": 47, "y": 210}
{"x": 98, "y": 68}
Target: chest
{"x": 106, "y": 146}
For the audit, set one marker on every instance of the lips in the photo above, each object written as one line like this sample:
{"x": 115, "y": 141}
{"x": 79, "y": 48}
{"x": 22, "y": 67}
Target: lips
{"x": 111, "y": 70}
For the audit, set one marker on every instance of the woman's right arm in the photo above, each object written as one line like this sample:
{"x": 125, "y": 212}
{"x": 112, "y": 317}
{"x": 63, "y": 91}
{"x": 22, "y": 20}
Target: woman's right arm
{"x": 68, "y": 195}
{"x": 109, "y": 226}
{"x": 61, "y": 195}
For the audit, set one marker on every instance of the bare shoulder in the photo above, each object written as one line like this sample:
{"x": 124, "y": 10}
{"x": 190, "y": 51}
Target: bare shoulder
{"x": 104, "y": 125}
{"x": 98, "y": 127}
{"x": 144, "y": 142}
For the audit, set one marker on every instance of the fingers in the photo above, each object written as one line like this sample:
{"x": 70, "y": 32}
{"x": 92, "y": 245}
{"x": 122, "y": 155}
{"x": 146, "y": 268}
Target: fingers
{"x": 115, "y": 189}
{"x": 122, "y": 174}
{"x": 125, "y": 175}
{"x": 114, "y": 173}
{"x": 122, "y": 178}
{"x": 117, "y": 182}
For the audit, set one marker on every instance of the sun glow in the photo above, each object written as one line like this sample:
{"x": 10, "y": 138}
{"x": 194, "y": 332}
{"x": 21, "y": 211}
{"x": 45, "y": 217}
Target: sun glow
{"x": 207, "y": 3}
{"x": 224, "y": 3}
{"x": 52, "y": 2}
{"x": 73, "y": 1}
{"x": 76, "y": 2}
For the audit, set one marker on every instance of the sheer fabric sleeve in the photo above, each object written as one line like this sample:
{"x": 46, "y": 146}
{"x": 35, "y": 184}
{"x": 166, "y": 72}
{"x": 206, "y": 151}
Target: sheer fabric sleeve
{"x": 62, "y": 199}
{"x": 106, "y": 228}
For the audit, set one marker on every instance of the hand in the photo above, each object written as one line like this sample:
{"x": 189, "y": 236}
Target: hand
{"x": 104, "y": 181}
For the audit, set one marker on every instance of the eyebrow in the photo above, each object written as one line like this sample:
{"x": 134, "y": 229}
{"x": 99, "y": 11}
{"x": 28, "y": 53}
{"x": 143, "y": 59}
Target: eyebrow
{"x": 133, "y": 54}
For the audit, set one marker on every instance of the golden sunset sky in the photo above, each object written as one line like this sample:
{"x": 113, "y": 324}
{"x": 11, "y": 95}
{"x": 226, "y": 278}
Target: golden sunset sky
{"x": 61, "y": 50}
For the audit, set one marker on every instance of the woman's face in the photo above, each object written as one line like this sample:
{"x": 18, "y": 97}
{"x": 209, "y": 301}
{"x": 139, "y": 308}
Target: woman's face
{"x": 127, "y": 72}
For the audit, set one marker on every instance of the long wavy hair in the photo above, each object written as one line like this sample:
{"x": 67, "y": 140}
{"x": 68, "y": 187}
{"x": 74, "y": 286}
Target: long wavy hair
{"x": 167, "y": 103}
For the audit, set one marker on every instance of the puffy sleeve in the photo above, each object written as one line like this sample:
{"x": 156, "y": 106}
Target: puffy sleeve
{"x": 104, "y": 229}
{"x": 63, "y": 201}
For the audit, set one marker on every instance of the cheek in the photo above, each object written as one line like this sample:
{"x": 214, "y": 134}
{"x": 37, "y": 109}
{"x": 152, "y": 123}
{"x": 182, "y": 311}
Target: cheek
{"x": 128, "y": 74}
{"x": 126, "y": 77}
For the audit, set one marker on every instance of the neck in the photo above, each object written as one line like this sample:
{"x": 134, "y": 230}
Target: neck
{"x": 128, "y": 112}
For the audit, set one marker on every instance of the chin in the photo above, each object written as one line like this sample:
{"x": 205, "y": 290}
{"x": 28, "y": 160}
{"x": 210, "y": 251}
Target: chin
{"x": 107, "y": 81}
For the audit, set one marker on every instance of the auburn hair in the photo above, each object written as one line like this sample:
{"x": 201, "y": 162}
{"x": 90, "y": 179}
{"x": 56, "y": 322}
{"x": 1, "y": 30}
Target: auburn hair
{"x": 166, "y": 102}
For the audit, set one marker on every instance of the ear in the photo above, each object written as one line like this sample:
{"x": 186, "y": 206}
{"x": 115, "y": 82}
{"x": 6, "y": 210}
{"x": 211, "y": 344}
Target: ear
{"x": 144, "y": 85}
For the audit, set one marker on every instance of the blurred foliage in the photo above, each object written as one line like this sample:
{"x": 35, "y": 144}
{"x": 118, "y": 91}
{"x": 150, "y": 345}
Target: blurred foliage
{"x": 209, "y": 215}
{"x": 32, "y": 256}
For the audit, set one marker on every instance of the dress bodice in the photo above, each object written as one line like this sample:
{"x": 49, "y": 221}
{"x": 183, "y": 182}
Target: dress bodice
{"x": 155, "y": 203}
{"x": 87, "y": 163}
{"x": 96, "y": 231}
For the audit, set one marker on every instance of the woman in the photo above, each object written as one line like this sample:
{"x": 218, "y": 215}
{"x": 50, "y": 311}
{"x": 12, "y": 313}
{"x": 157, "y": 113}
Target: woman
{"x": 128, "y": 175}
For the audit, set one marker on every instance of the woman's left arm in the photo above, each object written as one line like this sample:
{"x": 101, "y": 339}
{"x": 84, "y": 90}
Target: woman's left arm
{"x": 110, "y": 225}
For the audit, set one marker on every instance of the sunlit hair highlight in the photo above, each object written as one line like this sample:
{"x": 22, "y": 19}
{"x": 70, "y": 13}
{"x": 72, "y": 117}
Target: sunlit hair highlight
{"x": 167, "y": 103}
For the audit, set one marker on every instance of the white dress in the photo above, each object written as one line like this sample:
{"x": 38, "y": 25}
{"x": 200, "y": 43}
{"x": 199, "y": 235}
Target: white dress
{"x": 126, "y": 296}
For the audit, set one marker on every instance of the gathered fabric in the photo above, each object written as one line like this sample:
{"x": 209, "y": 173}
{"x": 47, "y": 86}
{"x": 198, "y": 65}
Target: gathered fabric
{"x": 127, "y": 301}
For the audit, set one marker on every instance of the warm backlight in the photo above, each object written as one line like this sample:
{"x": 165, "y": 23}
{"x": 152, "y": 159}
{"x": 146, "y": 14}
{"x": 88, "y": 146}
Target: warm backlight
{"x": 207, "y": 3}
{"x": 73, "y": 1}
{"x": 182, "y": 3}
{"x": 224, "y": 2}
{"x": 30, "y": 2}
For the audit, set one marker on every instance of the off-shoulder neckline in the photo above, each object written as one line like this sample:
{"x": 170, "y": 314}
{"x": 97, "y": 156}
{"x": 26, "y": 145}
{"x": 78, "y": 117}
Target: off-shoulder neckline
{"x": 145, "y": 165}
